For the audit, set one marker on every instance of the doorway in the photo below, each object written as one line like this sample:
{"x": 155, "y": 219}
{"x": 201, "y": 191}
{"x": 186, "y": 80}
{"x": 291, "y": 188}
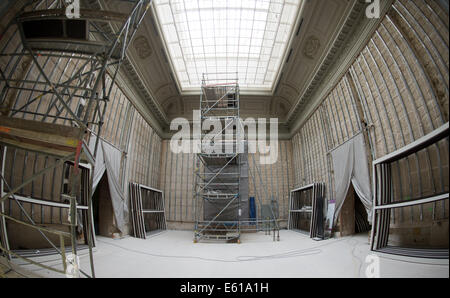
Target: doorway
{"x": 353, "y": 216}
{"x": 102, "y": 210}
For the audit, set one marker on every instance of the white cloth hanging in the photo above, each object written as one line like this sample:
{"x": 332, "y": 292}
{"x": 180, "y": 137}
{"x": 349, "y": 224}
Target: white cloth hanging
{"x": 108, "y": 160}
{"x": 350, "y": 166}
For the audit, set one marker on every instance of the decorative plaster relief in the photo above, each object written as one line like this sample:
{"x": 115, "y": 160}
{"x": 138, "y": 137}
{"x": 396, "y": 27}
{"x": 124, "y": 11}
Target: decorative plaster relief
{"x": 312, "y": 46}
{"x": 142, "y": 47}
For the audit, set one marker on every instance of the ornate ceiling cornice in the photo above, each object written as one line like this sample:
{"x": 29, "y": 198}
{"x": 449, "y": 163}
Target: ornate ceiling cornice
{"x": 357, "y": 38}
{"x": 355, "y": 17}
{"x": 150, "y": 100}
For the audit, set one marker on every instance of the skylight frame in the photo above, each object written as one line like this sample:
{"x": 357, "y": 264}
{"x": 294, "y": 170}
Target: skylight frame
{"x": 189, "y": 64}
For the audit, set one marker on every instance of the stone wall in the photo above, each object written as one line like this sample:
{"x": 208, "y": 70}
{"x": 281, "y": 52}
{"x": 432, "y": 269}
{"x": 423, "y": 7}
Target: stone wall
{"x": 397, "y": 88}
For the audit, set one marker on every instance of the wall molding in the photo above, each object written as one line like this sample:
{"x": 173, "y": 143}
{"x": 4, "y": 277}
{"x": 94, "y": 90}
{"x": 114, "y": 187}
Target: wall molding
{"x": 348, "y": 50}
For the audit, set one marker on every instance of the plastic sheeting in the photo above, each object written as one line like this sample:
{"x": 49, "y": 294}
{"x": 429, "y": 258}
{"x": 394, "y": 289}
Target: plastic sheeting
{"x": 350, "y": 166}
{"x": 108, "y": 160}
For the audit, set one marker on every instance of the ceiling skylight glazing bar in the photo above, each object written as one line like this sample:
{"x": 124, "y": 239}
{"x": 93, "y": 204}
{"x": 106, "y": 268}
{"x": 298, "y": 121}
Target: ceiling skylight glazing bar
{"x": 274, "y": 40}
{"x": 248, "y": 37}
{"x": 177, "y": 30}
{"x": 248, "y": 52}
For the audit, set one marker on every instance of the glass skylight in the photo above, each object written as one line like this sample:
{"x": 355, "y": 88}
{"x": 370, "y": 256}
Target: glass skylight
{"x": 247, "y": 37}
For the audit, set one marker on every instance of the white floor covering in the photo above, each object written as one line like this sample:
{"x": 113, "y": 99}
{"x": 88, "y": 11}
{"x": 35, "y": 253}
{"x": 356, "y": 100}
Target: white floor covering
{"x": 173, "y": 254}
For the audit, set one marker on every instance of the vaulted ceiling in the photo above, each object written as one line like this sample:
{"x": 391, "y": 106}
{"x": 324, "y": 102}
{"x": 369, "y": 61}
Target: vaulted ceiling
{"x": 316, "y": 37}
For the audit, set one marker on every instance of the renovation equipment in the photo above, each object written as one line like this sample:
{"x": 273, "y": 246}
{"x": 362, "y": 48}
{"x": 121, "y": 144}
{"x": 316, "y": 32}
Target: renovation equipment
{"x": 407, "y": 225}
{"x": 72, "y": 106}
{"x": 268, "y": 218}
{"x": 147, "y": 210}
{"x": 221, "y": 186}
{"x": 26, "y": 241}
{"x": 306, "y": 210}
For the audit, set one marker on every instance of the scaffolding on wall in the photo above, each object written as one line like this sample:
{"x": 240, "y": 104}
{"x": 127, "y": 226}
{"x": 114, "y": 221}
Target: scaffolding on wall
{"x": 56, "y": 117}
{"x": 221, "y": 186}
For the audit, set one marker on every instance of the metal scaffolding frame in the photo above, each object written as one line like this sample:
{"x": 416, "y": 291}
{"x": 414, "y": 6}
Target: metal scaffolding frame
{"x": 75, "y": 107}
{"x": 385, "y": 201}
{"x": 217, "y": 208}
{"x": 306, "y": 204}
{"x": 221, "y": 175}
{"x": 147, "y": 202}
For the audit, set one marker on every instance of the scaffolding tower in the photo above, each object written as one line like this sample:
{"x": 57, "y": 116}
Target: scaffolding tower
{"x": 221, "y": 184}
{"x": 43, "y": 113}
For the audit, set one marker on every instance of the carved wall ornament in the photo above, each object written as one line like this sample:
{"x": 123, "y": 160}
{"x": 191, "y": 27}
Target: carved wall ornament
{"x": 142, "y": 47}
{"x": 312, "y": 46}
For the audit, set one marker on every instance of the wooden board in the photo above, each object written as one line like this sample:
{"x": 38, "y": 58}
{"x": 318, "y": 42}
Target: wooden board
{"x": 51, "y": 139}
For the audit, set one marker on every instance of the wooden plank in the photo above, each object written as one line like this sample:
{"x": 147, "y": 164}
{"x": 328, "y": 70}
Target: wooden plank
{"x": 45, "y": 138}
{"x": 40, "y": 127}
{"x": 35, "y": 146}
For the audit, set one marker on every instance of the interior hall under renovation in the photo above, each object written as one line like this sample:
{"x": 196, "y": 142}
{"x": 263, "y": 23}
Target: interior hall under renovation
{"x": 224, "y": 139}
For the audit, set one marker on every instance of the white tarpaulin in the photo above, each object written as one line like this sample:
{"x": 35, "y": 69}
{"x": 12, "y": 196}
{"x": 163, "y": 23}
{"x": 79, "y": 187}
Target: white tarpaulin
{"x": 109, "y": 159}
{"x": 350, "y": 166}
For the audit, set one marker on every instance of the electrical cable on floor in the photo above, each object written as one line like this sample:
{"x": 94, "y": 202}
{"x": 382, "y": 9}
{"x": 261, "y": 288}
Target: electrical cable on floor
{"x": 288, "y": 254}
